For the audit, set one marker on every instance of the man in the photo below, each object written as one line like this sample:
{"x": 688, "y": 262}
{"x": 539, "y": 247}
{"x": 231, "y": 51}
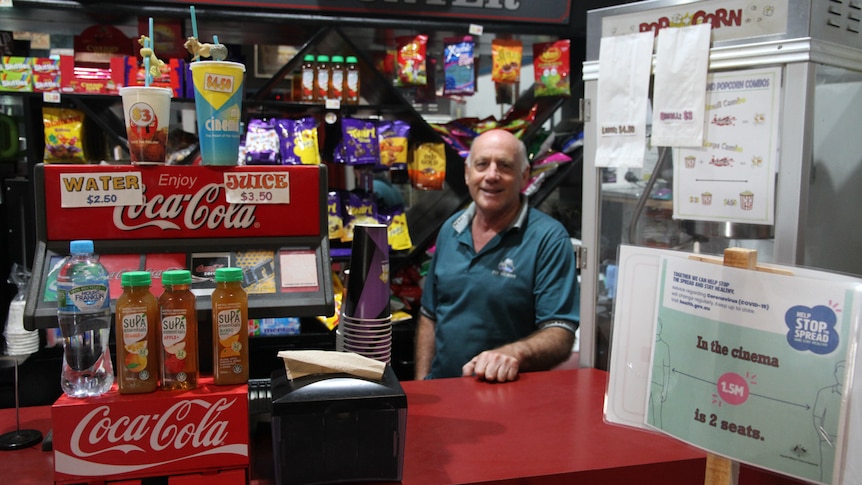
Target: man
{"x": 499, "y": 297}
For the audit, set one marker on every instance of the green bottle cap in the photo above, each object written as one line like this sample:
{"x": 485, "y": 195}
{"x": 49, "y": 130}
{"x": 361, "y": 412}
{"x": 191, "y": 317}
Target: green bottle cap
{"x": 226, "y": 275}
{"x": 322, "y": 58}
{"x": 337, "y": 59}
{"x": 136, "y": 278}
{"x": 308, "y": 58}
{"x": 351, "y": 59}
{"x": 177, "y": 277}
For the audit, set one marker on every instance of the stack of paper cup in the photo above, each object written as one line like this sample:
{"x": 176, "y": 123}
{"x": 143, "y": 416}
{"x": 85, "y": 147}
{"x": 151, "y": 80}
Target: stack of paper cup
{"x": 18, "y": 340}
{"x": 366, "y": 321}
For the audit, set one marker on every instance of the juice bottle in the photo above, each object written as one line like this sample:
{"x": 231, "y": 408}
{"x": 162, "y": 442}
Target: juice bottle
{"x": 178, "y": 332}
{"x": 137, "y": 323}
{"x": 351, "y": 84}
{"x": 336, "y": 78}
{"x": 307, "y": 74}
{"x": 230, "y": 328}
{"x": 321, "y": 78}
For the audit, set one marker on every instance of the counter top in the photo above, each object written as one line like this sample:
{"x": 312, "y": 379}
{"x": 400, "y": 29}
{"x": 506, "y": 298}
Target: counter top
{"x": 546, "y": 428}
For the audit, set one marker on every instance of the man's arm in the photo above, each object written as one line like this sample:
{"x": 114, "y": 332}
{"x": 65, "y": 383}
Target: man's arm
{"x": 425, "y": 347}
{"x": 541, "y": 350}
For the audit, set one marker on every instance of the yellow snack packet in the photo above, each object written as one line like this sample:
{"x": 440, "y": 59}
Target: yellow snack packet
{"x": 64, "y": 135}
{"x": 428, "y": 170}
{"x": 397, "y": 232}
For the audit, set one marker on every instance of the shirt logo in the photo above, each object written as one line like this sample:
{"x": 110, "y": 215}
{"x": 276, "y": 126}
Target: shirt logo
{"x": 505, "y": 268}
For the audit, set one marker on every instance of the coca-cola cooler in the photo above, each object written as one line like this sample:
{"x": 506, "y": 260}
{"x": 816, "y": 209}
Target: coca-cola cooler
{"x": 269, "y": 221}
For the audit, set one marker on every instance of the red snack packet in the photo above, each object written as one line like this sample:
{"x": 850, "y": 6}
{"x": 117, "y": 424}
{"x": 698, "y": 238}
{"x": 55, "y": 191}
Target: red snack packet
{"x": 551, "y": 68}
{"x": 410, "y": 66}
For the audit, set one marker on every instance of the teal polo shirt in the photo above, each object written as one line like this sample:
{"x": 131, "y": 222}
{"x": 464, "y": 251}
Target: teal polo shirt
{"x": 522, "y": 280}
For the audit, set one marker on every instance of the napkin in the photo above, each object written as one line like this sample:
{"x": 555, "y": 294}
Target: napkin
{"x": 298, "y": 363}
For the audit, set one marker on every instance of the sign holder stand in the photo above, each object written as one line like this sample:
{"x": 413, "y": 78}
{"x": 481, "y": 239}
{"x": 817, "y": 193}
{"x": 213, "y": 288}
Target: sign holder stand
{"x": 721, "y": 470}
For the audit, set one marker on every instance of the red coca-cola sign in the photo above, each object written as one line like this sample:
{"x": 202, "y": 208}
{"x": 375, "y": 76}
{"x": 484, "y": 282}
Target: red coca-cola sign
{"x": 160, "y": 434}
{"x": 131, "y": 202}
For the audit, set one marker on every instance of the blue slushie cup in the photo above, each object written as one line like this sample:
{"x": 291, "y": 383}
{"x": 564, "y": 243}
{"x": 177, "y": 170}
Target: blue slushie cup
{"x": 218, "y": 103}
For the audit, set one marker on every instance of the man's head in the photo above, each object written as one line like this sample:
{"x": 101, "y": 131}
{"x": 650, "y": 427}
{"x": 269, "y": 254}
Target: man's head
{"x": 496, "y": 170}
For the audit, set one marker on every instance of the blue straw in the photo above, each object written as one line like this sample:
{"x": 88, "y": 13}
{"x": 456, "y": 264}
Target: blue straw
{"x": 147, "y": 65}
{"x": 194, "y": 22}
{"x": 150, "y": 41}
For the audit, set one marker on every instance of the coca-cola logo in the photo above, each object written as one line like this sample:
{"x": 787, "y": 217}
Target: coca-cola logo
{"x": 189, "y": 425}
{"x": 203, "y": 209}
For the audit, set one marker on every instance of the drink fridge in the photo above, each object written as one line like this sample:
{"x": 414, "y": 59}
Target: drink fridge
{"x": 813, "y": 51}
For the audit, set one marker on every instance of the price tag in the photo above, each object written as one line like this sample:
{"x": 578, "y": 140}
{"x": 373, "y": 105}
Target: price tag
{"x": 257, "y": 187}
{"x": 51, "y": 97}
{"x": 101, "y": 189}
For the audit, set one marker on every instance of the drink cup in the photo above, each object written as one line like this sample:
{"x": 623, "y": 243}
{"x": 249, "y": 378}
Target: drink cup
{"x": 147, "y": 110}
{"x": 218, "y": 103}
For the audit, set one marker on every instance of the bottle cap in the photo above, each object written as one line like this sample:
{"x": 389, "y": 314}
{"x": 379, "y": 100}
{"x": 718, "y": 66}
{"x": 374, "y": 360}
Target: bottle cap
{"x": 351, "y": 59}
{"x": 322, "y": 58}
{"x": 308, "y": 58}
{"x": 177, "y": 277}
{"x": 81, "y": 246}
{"x": 337, "y": 59}
{"x": 224, "y": 275}
{"x": 136, "y": 278}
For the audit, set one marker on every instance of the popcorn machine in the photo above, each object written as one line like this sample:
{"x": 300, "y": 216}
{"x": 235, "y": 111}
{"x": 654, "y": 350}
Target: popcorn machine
{"x": 815, "y": 48}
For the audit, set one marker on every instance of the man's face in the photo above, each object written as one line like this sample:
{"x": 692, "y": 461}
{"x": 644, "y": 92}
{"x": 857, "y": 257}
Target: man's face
{"x": 494, "y": 176}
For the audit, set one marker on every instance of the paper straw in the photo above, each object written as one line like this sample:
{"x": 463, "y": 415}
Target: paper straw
{"x": 194, "y": 22}
{"x": 151, "y": 29}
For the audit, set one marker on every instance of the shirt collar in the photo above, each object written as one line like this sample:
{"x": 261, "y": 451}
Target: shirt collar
{"x": 463, "y": 221}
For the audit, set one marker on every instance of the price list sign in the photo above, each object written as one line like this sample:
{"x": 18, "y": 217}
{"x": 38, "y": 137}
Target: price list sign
{"x": 101, "y": 189}
{"x": 182, "y": 201}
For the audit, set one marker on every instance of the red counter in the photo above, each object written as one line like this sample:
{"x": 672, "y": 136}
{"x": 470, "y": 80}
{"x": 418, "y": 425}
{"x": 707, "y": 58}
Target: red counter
{"x": 545, "y": 428}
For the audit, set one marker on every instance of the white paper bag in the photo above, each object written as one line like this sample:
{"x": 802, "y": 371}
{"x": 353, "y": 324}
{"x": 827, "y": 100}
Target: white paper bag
{"x": 624, "y": 69}
{"x": 681, "y": 64}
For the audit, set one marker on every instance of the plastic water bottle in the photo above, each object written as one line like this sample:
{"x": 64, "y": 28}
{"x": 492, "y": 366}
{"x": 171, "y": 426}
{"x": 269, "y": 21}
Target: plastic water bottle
{"x": 84, "y": 315}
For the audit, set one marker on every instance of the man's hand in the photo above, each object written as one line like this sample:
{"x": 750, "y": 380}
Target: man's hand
{"x": 542, "y": 350}
{"x": 493, "y": 366}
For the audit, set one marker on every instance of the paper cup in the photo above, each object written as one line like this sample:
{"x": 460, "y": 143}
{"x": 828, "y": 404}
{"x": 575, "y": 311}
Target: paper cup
{"x": 147, "y": 110}
{"x": 218, "y": 89}
{"x": 367, "y": 295}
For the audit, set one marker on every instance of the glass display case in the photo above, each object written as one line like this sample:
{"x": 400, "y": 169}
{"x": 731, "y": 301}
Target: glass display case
{"x": 814, "y": 48}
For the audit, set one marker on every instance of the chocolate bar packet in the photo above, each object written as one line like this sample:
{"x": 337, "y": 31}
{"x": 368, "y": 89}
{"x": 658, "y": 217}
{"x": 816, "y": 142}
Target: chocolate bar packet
{"x": 359, "y": 137}
{"x": 262, "y": 143}
{"x": 393, "y": 136}
{"x": 360, "y": 209}
{"x": 298, "y": 141}
{"x": 335, "y": 214}
{"x": 429, "y": 166}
